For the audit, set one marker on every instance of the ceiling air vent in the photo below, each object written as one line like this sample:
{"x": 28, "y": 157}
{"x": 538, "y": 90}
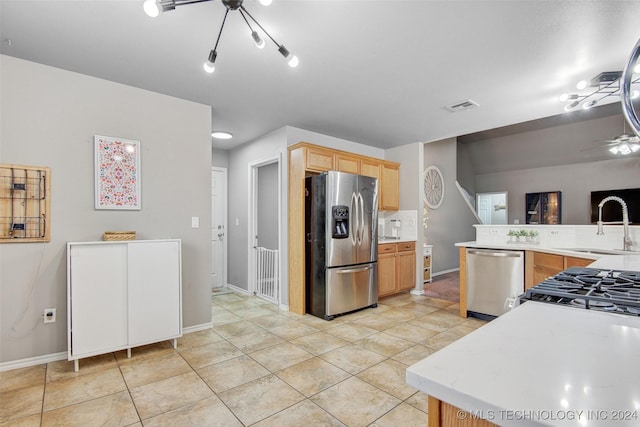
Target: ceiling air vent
{"x": 462, "y": 106}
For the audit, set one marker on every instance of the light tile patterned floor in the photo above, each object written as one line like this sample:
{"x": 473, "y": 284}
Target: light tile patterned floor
{"x": 257, "y": 366}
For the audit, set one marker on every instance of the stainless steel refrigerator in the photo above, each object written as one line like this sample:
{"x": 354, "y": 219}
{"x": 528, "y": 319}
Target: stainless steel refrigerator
{"x": 342, "y": 243}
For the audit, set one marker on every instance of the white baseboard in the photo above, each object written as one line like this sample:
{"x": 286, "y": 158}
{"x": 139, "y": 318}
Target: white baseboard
{"x": 33, "y": 361}
{"x": 237, "y": 289}
{"x": 197, "y": 328}
{"x": 445, "y": 271}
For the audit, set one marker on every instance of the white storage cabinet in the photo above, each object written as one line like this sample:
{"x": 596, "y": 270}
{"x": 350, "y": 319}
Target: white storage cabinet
{"x": 122, "y": 295}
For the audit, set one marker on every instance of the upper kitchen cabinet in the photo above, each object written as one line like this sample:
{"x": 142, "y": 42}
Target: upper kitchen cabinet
{"x": 389, "y": 185}
{"x": 347, "y": 163}
{"x": 370, "y": 167}
{"x": 544, "y": 208}
{"x": 318, "y": 159}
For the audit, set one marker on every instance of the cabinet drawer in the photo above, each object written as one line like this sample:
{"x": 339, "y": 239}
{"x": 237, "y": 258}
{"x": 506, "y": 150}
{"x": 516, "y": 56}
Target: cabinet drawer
{"x": 387, "y": 248}
{"x": 406, "y": 246}
{"x": 427, "y": 261}
{"x": 551, "y": 261}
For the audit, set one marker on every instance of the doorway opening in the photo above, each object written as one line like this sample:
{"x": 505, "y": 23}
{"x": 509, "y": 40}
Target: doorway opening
{"x": 264, "y": 229}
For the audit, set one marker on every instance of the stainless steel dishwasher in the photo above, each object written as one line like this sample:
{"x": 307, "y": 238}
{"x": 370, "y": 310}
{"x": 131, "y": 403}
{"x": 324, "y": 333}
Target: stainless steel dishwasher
{"x": 494, "y": 279}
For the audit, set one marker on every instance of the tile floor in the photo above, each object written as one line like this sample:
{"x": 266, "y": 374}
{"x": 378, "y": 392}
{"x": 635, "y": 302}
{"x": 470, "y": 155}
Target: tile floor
{"x": 257, "y": 366}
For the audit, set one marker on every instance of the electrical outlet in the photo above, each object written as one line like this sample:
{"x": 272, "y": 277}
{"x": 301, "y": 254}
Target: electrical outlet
{"x": 49, "y": 315}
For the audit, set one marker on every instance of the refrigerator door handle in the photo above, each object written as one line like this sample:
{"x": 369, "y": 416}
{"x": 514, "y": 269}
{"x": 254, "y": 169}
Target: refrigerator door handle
{"x": 361, "y": 219}
{"x": 353, "y": 218}
{"x": 354, "y": 270}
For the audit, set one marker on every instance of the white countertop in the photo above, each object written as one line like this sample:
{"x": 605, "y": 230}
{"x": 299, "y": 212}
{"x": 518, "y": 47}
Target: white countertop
{"x": 384, "y": 240}
{"x": 541, "y": 364}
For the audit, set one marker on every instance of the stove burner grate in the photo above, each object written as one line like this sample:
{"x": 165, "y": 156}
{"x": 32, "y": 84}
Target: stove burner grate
{"x": 590, "y": 288}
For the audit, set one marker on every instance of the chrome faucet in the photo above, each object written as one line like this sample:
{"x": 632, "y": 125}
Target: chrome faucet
{"x": 625, "y": 220}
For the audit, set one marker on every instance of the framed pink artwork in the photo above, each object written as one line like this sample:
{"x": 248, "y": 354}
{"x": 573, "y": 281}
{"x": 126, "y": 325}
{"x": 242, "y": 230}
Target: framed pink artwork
{"x": 117, "y": 173}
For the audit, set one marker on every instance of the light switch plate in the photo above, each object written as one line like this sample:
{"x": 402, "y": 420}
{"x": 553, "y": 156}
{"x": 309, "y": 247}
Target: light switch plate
{"x": 195, "y": 222}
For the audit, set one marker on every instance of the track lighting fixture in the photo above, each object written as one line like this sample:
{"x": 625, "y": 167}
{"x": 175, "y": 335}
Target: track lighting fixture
{"x": 600, "y": 87}
{"x": 153, "y": 8}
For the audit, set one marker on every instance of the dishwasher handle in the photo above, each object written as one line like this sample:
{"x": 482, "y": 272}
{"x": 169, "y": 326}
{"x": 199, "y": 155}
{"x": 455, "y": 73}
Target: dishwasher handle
{"x": 498, "y": 253}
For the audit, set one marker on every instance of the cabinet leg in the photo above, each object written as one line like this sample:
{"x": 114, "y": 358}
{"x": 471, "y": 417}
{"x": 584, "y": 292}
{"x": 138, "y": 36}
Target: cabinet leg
{"x": 175, "y": 343}
{"x": 76, "y": 365}
{"x": 129, "y": 353}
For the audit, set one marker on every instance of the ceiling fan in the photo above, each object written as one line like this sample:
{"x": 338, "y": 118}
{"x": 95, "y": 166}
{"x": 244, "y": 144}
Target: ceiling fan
{"x": 623, "y": 144}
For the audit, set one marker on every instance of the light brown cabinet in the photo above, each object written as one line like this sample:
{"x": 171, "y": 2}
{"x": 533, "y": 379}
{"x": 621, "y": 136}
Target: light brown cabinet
{"x": 347, "y": 163}
{"x": 396, "y": 267}
{"x": 370, "y": 167}
{"x": 389, "y": 187}
{"x": 541, "y": 265}
{"x": 318, "y": 159}
{"x": 387, "y": 255}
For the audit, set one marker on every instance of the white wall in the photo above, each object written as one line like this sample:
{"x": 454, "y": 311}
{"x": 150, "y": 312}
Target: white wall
{"x": 48, "y": 117}
{"x": 576, "y": 181}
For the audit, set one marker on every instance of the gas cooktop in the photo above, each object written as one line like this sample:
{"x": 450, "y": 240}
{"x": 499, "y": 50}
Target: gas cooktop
{"x": 615, "y": 291}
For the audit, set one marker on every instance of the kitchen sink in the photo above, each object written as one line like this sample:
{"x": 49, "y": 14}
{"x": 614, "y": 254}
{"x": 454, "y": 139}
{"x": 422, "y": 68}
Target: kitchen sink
{"x": 601, "y": 251}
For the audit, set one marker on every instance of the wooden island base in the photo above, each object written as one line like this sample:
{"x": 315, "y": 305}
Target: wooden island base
{"x": 442, "y": 414}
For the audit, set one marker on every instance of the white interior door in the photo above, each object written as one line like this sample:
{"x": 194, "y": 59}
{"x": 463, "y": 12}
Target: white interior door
{"x": 484, "y": 208}
{"x": 218, "y": 227}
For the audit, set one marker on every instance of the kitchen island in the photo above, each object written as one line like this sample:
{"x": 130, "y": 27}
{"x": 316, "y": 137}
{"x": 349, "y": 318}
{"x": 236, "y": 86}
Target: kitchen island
{"x": 539, "y": 364}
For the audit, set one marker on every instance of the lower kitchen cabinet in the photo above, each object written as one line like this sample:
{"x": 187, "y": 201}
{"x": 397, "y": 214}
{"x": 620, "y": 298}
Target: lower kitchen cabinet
{"x": 122, "y": 295}
{"x": 396, "y": 267}
{"x": 542, "y": 265}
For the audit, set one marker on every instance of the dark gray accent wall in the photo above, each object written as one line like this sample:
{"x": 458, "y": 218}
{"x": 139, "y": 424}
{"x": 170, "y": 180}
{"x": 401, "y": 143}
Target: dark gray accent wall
{"x": 268, "y": 206}
{"x": 452, "y": 222}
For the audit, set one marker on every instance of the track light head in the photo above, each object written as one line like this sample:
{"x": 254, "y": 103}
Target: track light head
{"x": 153, "y": 8}
{"x": 257, "y": 40}
{"x": 208, "y": 65}
{"x": 292, "y": 60}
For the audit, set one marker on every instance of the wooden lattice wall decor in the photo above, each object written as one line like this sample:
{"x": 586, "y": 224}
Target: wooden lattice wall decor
{"x": 24, "y": 203}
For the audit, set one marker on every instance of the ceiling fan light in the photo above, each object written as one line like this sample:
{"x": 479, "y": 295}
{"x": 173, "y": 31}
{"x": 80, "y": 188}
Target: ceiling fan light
{"x": 257, "y": 40}
{"x": 581, "y": 84}
{"x": 588, "y": 105}
{"x": 564, "y": 97}
{"x": 265, "y": 2}
{"x": 624, "y": 149}
{"x": 571, "y": 106}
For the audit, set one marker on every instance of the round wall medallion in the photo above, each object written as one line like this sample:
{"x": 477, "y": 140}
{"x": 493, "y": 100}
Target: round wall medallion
{"x": 433, "y": 187}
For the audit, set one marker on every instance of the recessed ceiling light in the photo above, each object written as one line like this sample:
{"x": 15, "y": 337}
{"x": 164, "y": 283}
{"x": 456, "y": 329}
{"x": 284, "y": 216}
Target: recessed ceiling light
{"x": 220, "y": 134}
